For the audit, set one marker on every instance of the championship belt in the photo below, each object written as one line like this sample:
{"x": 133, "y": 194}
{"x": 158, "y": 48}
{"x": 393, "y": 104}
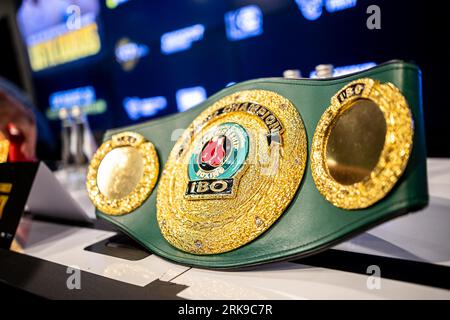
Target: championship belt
{"x": 268, "y": 169}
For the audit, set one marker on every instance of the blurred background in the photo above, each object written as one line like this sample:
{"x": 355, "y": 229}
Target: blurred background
{"x": 122, "y": 62}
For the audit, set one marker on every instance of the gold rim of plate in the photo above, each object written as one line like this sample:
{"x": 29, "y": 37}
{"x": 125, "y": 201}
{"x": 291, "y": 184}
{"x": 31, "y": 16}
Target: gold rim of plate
{"x": 267, "y": 183}
{"x": 393, "y": 157}
{"x": 143, "y": 188}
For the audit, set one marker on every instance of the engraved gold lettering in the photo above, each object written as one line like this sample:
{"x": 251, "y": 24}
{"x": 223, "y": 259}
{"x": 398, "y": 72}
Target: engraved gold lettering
{"x": 218, "y": 186}
{"x": 202, "y": 186}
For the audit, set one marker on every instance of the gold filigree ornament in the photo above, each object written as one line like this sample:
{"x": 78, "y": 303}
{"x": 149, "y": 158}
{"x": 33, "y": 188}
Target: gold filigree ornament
{"x": 232, "y": 173}
{"x": 122, "y": 173}
{"x": 362, "y": 144}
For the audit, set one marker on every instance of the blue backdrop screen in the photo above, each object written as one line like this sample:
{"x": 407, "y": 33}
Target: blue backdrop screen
{"x": 129, "y": 61}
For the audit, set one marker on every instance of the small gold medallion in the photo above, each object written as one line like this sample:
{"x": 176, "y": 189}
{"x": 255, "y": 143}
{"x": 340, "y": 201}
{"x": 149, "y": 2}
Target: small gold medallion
{"x": 362, "y": 144}
{"x": 122, "y": 173}
{"x": 232, "y": 173}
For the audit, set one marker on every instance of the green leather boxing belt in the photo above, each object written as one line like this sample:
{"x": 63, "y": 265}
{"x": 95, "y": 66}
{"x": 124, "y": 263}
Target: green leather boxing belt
{"x": 268, "y": 169}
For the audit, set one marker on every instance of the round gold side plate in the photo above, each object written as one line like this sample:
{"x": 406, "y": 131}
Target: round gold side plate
{"x": 362, "y": 144}
{"x": 232, "y": 173}
{"x": 122, "y": 173}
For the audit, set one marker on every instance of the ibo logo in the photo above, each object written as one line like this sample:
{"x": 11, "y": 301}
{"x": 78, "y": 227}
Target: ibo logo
{"x": 216, "y": 160}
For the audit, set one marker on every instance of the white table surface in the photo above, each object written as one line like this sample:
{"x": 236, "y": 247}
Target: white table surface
{"x": 422, "y": 236}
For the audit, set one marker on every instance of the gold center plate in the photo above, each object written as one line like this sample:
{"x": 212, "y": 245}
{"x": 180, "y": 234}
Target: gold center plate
{"x": 122, "y": 173}
{"x": 355, "y": 142}
{"x": 266, "y": 185}
{"x": 362, "y": 144}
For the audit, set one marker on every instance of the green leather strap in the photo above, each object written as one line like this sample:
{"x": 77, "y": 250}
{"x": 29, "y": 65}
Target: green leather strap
{"x": 311, "y": 223}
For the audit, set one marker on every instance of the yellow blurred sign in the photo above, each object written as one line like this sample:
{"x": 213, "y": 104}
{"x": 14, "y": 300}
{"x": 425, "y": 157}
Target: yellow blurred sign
{"x": 4, "y": 149}
{"x": 4, "y": 188}
{"x": 64, "y": 48}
